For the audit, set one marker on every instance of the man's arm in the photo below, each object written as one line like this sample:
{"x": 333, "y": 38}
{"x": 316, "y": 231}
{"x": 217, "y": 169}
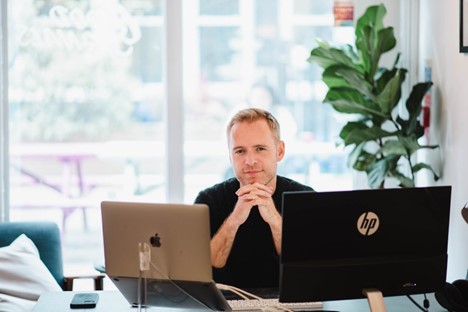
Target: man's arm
{"x": 275, "y": 221}
{"x": 221, "y": 243}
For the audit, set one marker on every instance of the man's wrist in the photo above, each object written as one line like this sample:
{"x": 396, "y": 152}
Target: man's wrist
{"x": 277, "y": 219}
{"x": 231, "y": 225}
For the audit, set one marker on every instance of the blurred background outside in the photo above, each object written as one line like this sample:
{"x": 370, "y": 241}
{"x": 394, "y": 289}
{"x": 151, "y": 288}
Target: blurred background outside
{"x": 87, "y": 119}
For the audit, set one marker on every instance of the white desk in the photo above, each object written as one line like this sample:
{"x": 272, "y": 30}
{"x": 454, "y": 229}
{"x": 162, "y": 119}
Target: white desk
{"x": 115, "y": 302}
{"x": 108, "y": 301}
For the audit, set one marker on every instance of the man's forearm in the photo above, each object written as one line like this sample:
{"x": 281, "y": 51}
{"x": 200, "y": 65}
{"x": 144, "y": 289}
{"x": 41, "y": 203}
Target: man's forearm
{"x": 221, "y": 243}
{"x": 276, "y": 228}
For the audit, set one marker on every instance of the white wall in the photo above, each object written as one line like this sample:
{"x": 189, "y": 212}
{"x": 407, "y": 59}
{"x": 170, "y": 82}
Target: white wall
{"x": 439, "y": 41}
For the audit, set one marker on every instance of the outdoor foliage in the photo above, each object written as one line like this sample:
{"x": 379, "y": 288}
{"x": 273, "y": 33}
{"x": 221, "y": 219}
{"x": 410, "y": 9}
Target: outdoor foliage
{"x": 63, "y": 86}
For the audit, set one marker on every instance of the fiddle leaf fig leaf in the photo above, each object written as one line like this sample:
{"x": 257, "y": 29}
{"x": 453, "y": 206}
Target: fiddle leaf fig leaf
{"x": 372, "y": 39}
{"x": 332, "y": 79}
{"x": 412, "y": 145}
{"x": 385, "y": 76}
{"x": 373, "y": 16}
{"x": 380, "y": 169}
{"x": 391, "y": 93}
{"x": 350, "y": 126}
{"x": 350, "y": 101}
{"x": 393, "y": 147}
{"x": 364, "y": 43}
{"x": 404, "y": 180}
{"x": 419, "y": 166}
{"x": 413, "y": 105}
{"x": 353, "y": 157}
{"x": 326, "y": 57}
{"x": 358, "y": 135}
{"x": 356, "y": 80}
{"x": 386, "y": 40}
{"x": 376, "y": 174}
{"x": 364, "y": 161}
{"x": 410, "y": 128}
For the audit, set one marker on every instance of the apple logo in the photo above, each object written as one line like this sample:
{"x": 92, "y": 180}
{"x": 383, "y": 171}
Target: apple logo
{"x": 155, "y": 240}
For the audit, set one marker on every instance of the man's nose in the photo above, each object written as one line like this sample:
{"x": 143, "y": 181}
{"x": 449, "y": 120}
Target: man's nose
{"x": 250, "y": 159}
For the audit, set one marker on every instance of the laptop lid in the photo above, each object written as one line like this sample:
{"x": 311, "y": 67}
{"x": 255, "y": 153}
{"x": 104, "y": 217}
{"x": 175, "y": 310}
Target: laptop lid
{"x": 335, "y": 243}
{"x": 178, "y": 239}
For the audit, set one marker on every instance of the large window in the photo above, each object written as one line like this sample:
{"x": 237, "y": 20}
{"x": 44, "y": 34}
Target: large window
{"x": 253, "y": 53}
{"x": 87, "y": 94}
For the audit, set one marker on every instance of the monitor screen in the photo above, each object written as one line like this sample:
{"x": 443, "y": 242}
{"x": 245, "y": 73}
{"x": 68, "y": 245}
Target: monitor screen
{"x": 336, "y": 245}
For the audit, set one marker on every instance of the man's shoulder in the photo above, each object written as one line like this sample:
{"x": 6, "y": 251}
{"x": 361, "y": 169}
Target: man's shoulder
{"x": 219, "y": 190}
{"x": 224, "y": 185}
{"x": 287, "y": 184}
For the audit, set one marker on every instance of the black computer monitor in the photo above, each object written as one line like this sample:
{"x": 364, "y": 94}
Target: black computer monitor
{"x": 339, "y": 245}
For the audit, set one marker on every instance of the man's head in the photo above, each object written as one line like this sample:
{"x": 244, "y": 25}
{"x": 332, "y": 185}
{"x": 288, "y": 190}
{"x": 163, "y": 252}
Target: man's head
{"x": 253, "y": 114}
{"x": 255, "y": 146}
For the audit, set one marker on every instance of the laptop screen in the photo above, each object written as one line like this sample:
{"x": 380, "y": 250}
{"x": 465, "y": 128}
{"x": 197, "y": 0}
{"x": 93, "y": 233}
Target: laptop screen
{"x": 335, "y": 244}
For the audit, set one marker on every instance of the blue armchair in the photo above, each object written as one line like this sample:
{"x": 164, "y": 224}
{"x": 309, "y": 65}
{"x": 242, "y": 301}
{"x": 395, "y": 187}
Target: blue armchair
{"x": 46, "y": 237}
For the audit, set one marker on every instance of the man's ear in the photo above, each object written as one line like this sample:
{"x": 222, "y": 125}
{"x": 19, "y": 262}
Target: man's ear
{"x": 280, "y": 151}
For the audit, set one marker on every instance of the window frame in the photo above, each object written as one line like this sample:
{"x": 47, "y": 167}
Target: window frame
{"x": 4, "y": 137}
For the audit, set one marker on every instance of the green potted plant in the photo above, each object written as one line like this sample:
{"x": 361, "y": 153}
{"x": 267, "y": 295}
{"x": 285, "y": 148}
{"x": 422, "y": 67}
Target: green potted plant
{"x": 384, "y": 136}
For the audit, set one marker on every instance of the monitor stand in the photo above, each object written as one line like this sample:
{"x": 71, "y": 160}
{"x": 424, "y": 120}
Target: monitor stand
{"x": 375, "y": 300}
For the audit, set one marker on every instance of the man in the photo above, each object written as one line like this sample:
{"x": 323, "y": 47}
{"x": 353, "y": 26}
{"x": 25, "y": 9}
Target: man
{"x": 245, "y": 214}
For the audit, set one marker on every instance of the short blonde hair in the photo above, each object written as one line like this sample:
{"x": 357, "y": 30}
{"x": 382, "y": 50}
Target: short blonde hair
{"x": 254, "y": 114}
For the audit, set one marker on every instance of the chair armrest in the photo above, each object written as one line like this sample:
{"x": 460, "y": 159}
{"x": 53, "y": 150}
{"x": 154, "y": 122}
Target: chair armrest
{"x": 98, "y": 280}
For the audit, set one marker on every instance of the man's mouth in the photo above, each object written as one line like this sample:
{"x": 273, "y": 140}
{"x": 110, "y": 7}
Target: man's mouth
{"x": 252, "y": 172}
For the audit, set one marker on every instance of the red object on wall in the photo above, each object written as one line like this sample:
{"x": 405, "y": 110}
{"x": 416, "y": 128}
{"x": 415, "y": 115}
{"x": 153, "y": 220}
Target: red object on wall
{"x": 426, "y": 120}
{"x": 426, "y": 108}
{"x": 343, "y": 12}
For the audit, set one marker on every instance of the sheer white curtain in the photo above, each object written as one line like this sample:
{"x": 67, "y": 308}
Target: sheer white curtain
{"x": 4, "y": 169}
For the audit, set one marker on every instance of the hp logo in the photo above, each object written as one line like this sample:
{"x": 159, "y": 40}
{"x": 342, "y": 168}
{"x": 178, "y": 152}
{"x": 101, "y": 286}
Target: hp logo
{"x": 368, "y": 223}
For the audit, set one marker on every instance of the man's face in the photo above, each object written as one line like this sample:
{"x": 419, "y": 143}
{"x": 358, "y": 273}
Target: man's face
{"x": 254, "y": 153}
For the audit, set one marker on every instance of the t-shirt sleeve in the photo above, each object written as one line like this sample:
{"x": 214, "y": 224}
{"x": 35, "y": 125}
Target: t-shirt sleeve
{"x": 204, "y": 198}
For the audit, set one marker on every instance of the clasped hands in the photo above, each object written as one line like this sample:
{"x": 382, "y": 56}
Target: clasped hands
{"x": 251, "y": 195}
{"x": 256, "y": 194}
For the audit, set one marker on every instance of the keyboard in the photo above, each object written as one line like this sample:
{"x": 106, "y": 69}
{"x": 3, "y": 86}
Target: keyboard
{"x": 274, "y": 304}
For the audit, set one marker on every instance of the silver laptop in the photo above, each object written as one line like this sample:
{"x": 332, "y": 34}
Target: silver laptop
{"x": 175, "y": 240}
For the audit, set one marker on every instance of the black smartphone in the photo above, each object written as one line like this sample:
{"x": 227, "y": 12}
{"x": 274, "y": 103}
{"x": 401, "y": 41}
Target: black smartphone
{"x": 84, "y": 301}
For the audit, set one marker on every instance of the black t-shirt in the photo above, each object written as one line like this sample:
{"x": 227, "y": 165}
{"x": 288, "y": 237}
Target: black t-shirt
{"x": 253, "y": 261}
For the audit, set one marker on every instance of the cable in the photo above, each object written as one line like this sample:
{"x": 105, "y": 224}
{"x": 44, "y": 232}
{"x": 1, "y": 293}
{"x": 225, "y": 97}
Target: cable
{"x": 233, "y": 289}
{"x": 240, "y": 292}
{"x": 249, "y": 296}
{"x": 426, "y": 303}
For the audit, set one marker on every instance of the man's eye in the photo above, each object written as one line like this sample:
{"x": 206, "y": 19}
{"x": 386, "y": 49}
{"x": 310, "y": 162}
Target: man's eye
{"x": 238, "y": 152}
